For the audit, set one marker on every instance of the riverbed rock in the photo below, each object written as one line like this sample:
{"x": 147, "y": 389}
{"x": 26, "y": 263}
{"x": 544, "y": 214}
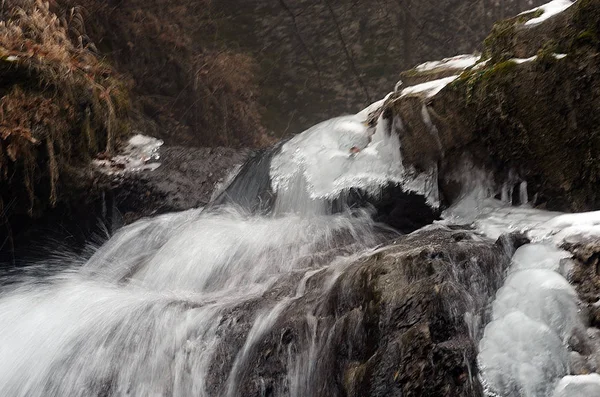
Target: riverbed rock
{"x": 185, "y": 179}
{"x": 401, "y": 321}
{"x": 585, "y": 276}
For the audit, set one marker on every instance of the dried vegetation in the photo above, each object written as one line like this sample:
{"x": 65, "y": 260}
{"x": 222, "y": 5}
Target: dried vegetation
{"x": 189, "y": 87}
{"x": 60, "y": 104}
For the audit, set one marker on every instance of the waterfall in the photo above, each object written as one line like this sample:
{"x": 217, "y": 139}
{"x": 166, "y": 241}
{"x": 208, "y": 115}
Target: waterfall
{"x": 183, "y": 304}
{"x": 166, "y": 301}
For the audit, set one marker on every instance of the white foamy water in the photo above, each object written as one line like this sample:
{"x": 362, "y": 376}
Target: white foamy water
{"x": 176, "y": 305}
{"x": 155, "y": 308}
{"x": 147, "y": 313}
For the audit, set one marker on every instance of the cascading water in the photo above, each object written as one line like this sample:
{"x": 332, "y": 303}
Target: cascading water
{"x": 180, "y": 304}
{"x": 152, "y": 312}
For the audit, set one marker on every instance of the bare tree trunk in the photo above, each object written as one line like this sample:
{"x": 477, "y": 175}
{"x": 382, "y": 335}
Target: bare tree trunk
{"x": 349, "y": 56}
{"x": 407, "y": 33}
{"x": 302, "y": 42}
{"x": 484, "y": 14}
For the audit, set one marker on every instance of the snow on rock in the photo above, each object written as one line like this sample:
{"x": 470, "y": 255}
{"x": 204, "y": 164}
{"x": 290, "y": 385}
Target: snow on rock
{"x": 570, "y": 226}
{"x": 494, "y": 218}
{"x": 459, "y": 62}
{"x": 578, "y": 386}
{"x": 524, "y": 60}
{"x": 140, "y": 154}
{"x": 481, "y": 64}
{"x": 430, "y": 88}
{"x": 548, "y": 11}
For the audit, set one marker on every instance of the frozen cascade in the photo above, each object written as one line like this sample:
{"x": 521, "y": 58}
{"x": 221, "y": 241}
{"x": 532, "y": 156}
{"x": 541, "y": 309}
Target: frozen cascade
{"x": 524, "y": 349}
{"x": 150, "y": 313}
{"x": 177, "y": 305}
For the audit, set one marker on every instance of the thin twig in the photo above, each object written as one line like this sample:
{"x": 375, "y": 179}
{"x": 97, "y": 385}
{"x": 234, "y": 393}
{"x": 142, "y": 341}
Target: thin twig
{"x": 347, "y": 51}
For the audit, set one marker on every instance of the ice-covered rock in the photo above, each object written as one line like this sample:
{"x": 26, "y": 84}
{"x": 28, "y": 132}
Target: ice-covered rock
{"x": 578, "y": 386}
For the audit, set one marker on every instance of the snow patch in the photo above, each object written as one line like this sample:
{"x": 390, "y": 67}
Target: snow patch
{"x": 578, "y": 386}
{"x": 140, "y": 154}
{"x": 460, "y": 62}
{"x": 481, "y": 64}
{"x": 548, "y": 11}
{"x": 430, "y": 88}
{"x": 524, "y": 60}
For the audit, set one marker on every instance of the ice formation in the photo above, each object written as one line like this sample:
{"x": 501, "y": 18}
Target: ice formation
{"x": 339, "y": 154}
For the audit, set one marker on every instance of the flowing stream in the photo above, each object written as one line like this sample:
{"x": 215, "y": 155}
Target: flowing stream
{"x": 176, "y": 305}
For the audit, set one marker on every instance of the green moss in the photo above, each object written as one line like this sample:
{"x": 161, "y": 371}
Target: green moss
{"x": 499, "y": 44}
{"x": 530, "y": 15}
{"x": 501, "y": 68}
{"x": 477, "y": 83}
{"x": 586, "y": 38}
{"x": 545, "y": 55}
{"x": 586, "y": 18}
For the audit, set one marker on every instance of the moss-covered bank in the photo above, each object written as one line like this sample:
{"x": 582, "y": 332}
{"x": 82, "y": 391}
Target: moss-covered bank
{"x": 538, "y": 118}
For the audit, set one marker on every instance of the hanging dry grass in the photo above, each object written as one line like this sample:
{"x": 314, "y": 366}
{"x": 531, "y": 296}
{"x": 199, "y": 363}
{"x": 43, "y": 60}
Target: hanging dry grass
{"x": 59, "y": 103}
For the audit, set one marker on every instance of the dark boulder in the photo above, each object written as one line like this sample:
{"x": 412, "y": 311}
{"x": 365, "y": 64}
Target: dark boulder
{"x": 402, "y": 321}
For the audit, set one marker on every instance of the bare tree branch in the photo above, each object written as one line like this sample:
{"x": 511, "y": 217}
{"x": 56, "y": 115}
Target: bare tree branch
{"x": 302, "y": 42}
{"x": 349, "y": 57}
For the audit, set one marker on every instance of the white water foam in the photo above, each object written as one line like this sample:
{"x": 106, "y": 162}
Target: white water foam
{"x": 148, "y": 314}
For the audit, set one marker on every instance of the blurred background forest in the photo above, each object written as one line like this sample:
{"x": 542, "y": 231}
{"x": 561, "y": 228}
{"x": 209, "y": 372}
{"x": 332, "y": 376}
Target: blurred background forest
{"x": 77, "y": 77}
{"x": 227, "y": 72}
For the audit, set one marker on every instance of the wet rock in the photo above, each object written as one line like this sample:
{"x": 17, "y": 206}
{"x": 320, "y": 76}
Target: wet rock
{"x": 185, "y": 179}
{"x": 585, "y": 275}
{"x": 388, "y": 324}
